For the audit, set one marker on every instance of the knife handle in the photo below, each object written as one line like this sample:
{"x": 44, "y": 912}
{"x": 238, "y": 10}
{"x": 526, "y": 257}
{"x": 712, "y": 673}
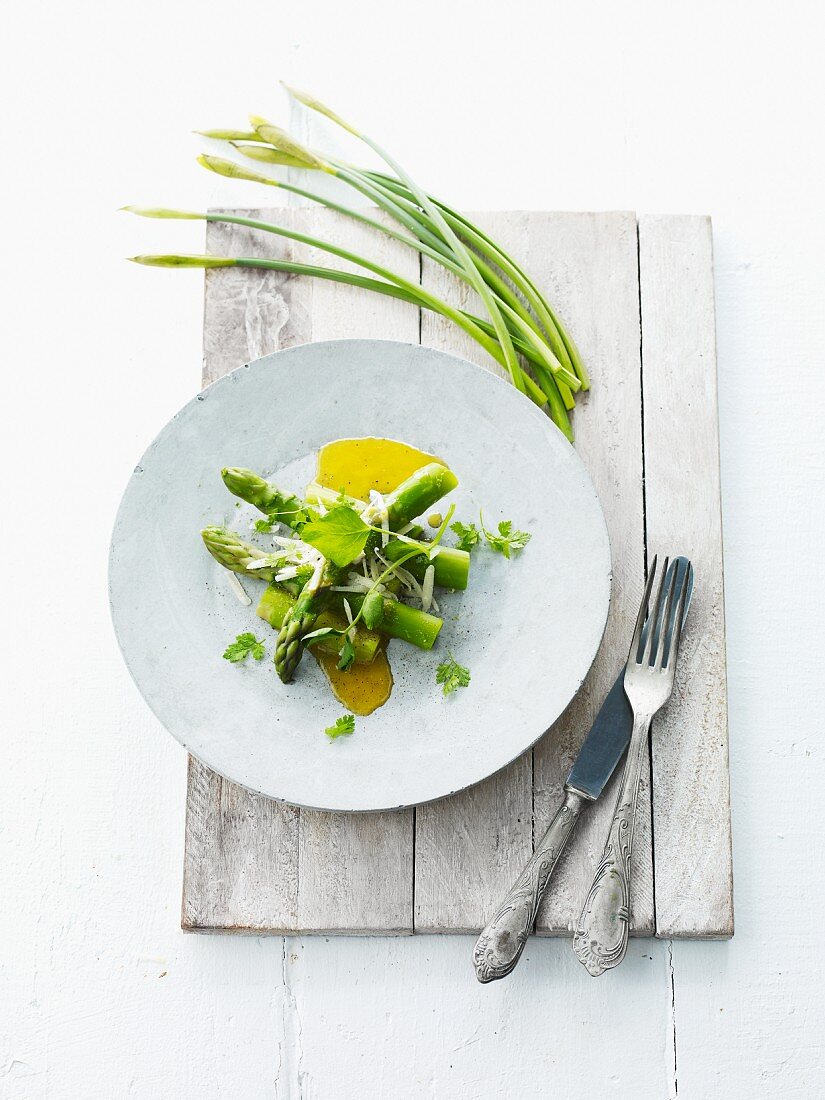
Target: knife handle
{"x": 500, "y": 945}
{"x": 600, "y": 939}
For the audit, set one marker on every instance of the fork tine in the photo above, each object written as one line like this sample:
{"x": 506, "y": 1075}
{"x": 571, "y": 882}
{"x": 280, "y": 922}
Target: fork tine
{"x": 672, "y": 650}
{"x": 640, "y": 620}
{"x": 684, "y": 578}
{"x": 657, "y": 624}
{"x": 659, "y": 658}
{"x": 651, "y": 645}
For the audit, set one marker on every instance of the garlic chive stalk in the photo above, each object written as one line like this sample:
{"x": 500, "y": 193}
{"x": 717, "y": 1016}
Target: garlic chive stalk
{"x": 519, "y": 321}
{"x": 535, "y": 350}
{"x": 477, "y": 328}
{"x": 558, "y": 380}
{"x": 458, "y": 247}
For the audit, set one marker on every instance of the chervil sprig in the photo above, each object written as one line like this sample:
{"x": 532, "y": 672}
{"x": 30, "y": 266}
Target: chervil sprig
{"x": 342, "y": 727}
{"x": 245, "y": 645}
{"x": 451, "y": 675}
{"x": 506, "y": 540}
{"x": 468, "y": 535}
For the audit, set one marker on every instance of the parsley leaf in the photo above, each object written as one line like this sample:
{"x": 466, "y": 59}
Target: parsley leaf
{"x": 340, "y": 535}
{"x": 343, "y": 726}
{"x": 468, "y": 535}
{"x": 264, "y": 525}
{"x": 506, "y": 540}
{"x": 242, "y": 647}
{"x": 451, "y": 675}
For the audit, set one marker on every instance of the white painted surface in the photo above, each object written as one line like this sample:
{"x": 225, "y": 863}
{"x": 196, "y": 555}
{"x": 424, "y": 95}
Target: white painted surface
{"x": 637, "y": 106}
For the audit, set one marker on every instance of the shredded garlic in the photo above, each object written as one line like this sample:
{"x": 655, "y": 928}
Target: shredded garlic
{"x": 238, "y": 589}
{"x": 427, "y": 588}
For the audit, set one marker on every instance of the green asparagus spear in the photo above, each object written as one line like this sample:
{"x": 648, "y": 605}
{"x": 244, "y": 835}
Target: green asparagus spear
{"x": 233, "y": 553}
{"x": 418, "y": 493}
{"x": 281, "y": 507}
{"x": 298, "y": 621}
{"x": 301, "y": 618}
{"x": 412, "y": 497}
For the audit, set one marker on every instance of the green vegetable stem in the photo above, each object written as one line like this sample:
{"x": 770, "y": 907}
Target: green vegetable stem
{"x": 520, "y": 330}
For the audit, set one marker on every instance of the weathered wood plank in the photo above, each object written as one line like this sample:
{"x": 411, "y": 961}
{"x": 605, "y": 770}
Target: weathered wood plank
{"x": 694, "y": 888}
{"x": 240, "y": 871}
{"x": 468, "y": 845}
{"x": 591, "y": 271}
{"x": 252, "y": 864}
{"x": 241, "y": 850}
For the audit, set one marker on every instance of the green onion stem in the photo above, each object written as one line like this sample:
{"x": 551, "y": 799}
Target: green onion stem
{"x": 461, "y": 251}
{"x": 456, "y": 245}
{"x": 411, "y": 216}
{"x": 479, "y": 329}
{"x": 519, "y": 319}
{"x": 528, "y": 337}
{"x": 489, "y": 248}
{"x": 437, "y": 251}
{"x": 416, "y": 222}
{"x": 404, "y": 290}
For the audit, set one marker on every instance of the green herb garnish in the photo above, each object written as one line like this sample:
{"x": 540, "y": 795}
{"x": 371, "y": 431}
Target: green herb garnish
{"x": 451, "y": 675}
{"x": 340, "y": 535}
{"x": 262, "y": 526}
{"x": 346, "y": 654}
{"x": 468, "y": 535}
{"x": 344, "y": 726}
{"x": 506, "y": 540}
{"x": 245, "y": 645}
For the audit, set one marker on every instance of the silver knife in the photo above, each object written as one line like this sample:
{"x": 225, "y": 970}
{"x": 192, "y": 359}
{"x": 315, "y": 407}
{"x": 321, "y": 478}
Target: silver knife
{"x": 501, "y": 943}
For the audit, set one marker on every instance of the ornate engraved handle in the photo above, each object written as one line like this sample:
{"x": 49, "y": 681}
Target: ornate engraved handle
{"x": 500, "y": 945}
{"x": 600, "y": 940}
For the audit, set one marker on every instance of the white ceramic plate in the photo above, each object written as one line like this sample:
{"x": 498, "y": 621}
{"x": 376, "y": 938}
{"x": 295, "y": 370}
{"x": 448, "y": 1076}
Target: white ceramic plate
{"x": 528, "y": 629}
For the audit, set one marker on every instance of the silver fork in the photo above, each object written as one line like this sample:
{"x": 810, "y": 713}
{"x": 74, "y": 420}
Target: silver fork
{"x": 600, "y": 940}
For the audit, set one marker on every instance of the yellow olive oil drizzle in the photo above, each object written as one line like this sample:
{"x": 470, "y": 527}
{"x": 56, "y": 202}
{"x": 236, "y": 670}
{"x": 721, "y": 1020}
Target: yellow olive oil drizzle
{"x": 356, "y": 466}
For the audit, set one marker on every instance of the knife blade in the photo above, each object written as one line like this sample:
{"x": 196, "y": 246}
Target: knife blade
{"x": 502, "y": 941}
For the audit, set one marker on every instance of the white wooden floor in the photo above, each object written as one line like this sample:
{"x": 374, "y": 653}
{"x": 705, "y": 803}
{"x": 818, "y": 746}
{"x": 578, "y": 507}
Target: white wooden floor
{"x": 585, "y": 106}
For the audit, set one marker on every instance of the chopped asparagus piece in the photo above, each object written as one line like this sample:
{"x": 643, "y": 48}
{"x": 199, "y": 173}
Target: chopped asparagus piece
{"x": 419, "y": 628}
{"x": 452, "y": 567}
{"x": 412, "y": 497}
{"x": 276, "y": 602}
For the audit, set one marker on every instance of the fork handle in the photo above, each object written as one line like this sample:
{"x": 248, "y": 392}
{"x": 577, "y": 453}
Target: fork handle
{"x": 600, "y": 940}
{"x": 500, "y": 945}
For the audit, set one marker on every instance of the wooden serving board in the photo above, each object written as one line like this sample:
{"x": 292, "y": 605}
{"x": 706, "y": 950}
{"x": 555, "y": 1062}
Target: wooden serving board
{"x": 638, "y": 296}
